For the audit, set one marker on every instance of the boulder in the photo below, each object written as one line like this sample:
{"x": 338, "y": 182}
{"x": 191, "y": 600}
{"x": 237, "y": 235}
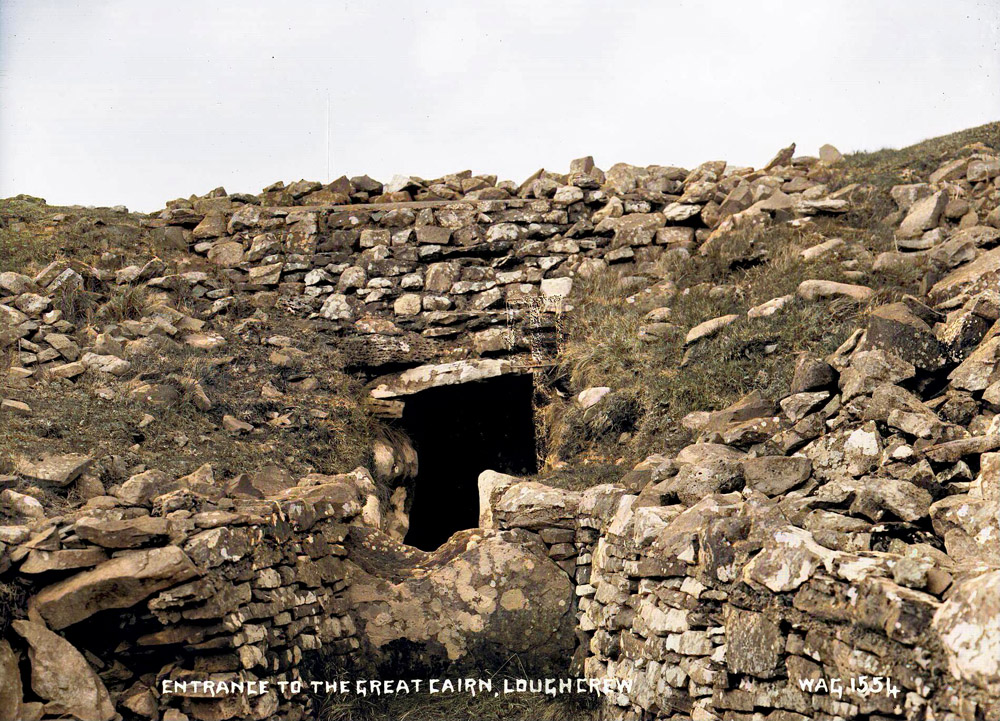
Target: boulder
{"x": 870, "y": 369}
{"x": 980, "y": 369}
{"x": 480, "y": 598}
{"x": 896, "y": 329}
{"x": 534, "y": 506}
{"x": 968, "y": 625}
{"x": 924, "y": 214}
{"x": 695, "y": 481}
{"x": 143, "y": 487}
{"x": 120, "y": 582}
{"x": 829, "y": 155}
{"x": 775, "y": 475}
{"x": 975, "y": 275}
{"x": 58, "y": 468}
{"x": 21, "y": 504}
{"x": 790, "y": 557}
{"x": 61, "y": 675}
{"x": 982, "y": 170}
{"x": 812, "y": 374}
{"x": 950, "y": 170}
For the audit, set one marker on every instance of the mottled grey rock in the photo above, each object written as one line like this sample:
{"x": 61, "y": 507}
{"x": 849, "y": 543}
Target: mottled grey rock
{"x": 61, "y": 675}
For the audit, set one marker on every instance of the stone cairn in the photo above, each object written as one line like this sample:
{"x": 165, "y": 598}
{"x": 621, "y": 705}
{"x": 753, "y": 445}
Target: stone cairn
{"x": 850, "y": 530}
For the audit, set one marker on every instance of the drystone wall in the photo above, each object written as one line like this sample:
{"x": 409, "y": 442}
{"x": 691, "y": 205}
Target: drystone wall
{"x": 725, "y": 609}
{"x": 404, "y": 283}
{"x": 199, "y": 605}
{"x": 193, "y": 586}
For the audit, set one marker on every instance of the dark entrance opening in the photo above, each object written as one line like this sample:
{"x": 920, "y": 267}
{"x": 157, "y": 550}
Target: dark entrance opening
{"x": 458, "y": 432}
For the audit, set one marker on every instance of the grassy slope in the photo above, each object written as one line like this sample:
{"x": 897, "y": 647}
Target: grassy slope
{"x": 73, "y": 417}
{"x": 602, "y": 347}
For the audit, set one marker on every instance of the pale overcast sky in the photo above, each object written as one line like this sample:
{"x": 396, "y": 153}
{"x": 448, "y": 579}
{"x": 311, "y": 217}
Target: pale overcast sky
{"x": 139, "y": 101}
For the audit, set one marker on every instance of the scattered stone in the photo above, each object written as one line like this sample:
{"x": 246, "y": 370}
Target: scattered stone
{"x": 709, "y": 328}
{"x": 60, "y": 469}
{"x": 812, "y": 290}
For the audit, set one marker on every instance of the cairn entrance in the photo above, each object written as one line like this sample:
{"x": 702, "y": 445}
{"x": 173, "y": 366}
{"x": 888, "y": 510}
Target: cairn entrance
{"x": 459, "y": 431}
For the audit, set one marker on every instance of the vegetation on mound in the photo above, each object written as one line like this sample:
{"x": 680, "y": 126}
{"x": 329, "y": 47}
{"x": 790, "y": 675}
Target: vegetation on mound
{"x": 661, "y": 381}
{"x": 664, "y": 380}
{"x": 303, "y": 427}
{"x": 30, "y": 239}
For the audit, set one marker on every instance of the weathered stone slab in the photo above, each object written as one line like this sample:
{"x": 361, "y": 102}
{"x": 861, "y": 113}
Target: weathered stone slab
{"x": 61, "y": 675}
{"x": 126, "y": 533}
{"x": 423, "y": 377}
{"x": 60, "y": 469}
{"x": 120, "y": 582}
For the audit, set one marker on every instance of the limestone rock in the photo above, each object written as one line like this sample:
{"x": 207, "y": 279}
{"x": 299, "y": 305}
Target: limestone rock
{"x": 61, "y": 675}
{"x": 812, "y": 374}
{"x": 774, "y": 475}
{"x": 143, "y": 487}
{"x": 968, "y": 625}
{"x": 790, "y": 559}
{"x": 923, "y": 215}
{"x": 407, "y": 304}
{"x": 870, "y": 369}
{"x": 492, "y": 486}
{"x": 591, "y": 396}
{"x": 21, "y": 504}
{"x": 227, "y": 254}
{"x": 533, "y": 505}
{"x": 120, "y": 582}
{"x": 11, "y": 691}
{"x": 709, "y": 328}
{"x": 60, "y": 469}
{"x": 812, "y": 290}
{"x": 694, "y": 481}
{"x": 755, "y": 645}
{"x": 126, "y": 533}
{"x": 829, "y": 154}
{"x": 452, "y": 606}
{"x": 336, "y": 307}
{"x": 980, "y": 369}
{"x": 976, "y": 274}
{"x": 896, "y": 329}
{"x": 40, "y": 561}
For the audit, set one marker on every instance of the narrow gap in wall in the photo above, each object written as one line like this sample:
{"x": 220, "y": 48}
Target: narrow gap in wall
{"x": 458, "y": 432}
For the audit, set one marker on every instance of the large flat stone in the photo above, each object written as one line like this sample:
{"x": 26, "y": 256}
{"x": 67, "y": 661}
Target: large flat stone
{"x": 119, "y": 583}
{"x": 125, "y": 533}
{"x": 60, "y": 469}
{"x": 61, "y": 675}
{"x": 423, "y": 377}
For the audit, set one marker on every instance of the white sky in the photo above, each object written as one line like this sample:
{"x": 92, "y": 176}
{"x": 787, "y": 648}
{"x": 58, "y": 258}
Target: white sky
{"x": 139, "y": 101}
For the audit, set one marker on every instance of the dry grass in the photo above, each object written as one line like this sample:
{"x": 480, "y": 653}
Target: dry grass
{"x": 882, "y": 169}
{"x": 30, "y": 238}
{"x": 604, "y": 348}
{"x": 73, "y": 417}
